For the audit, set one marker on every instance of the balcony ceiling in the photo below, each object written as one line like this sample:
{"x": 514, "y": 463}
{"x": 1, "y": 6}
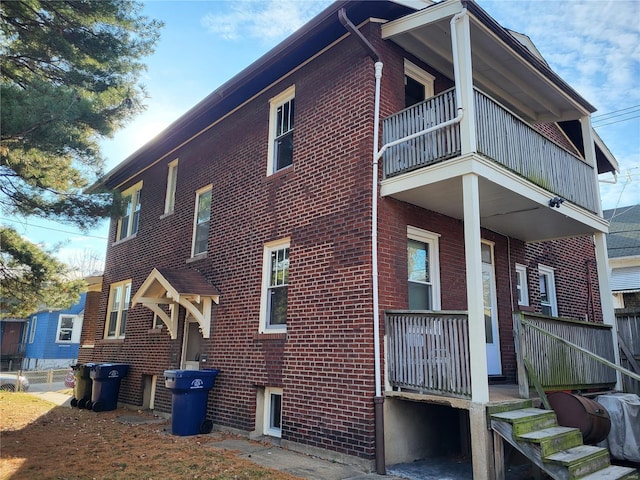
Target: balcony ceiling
{"x": 508, "y": 205}
{"x": 502, "y": 66}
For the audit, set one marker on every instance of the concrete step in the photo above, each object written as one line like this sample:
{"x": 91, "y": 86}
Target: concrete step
{"x": 614, "y": 472}
{"x": 581, "y": 460}
{"x": 553, "y": 439}
{"x": 527, "y": 420}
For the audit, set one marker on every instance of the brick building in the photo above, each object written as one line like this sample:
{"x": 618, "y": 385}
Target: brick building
{"x": 247, "y": 239}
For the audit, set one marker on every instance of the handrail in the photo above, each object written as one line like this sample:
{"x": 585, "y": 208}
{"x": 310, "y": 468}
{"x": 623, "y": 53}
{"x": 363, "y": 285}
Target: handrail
{"x": 592, "y": 355}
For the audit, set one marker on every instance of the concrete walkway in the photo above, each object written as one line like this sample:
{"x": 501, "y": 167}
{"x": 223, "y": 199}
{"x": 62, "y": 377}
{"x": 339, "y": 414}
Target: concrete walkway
{"x": 298, "y": 464}
{"x": 60, "y": 399}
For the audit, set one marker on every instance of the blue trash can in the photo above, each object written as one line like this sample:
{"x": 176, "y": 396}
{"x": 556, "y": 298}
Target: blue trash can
{"x": 83, "y": 385}
{"x": 189, "y": 394}
{"x": 106, "y": 385}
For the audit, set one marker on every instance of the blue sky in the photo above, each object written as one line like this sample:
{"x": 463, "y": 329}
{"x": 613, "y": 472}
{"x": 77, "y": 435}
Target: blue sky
{"x": 593, "y": 44}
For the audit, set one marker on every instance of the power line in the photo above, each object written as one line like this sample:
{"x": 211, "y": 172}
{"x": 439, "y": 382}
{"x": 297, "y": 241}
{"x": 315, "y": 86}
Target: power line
{"x": 617, "y": 121}
{"x": 614, "y": 112}
{"x": 54, "y": 229}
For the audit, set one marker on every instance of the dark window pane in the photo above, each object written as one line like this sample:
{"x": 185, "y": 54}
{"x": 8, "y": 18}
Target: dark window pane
{"x": 284, "y": 151}
{"x": 413, "y": 92}
{"x": 419, "y": 296}
{"x": 113, "y": 318}
{"x": 276, "y": 411}
{"x": 278, "y": 305}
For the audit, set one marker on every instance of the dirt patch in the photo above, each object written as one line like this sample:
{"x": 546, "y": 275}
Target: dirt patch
{"x": 40, "y": 440}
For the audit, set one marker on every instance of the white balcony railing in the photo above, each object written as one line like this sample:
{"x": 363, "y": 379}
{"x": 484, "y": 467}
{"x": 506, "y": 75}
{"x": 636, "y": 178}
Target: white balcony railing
{"x": 428, "y": 352}
{"x": 501, "y": 137}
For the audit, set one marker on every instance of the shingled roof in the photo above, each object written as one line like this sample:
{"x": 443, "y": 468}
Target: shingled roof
{"x": 624, "y": 231}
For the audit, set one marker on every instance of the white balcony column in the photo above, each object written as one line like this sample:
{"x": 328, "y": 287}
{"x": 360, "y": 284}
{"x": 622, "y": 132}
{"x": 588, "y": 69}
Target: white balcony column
{"x": 475, "y": 301}
{"x": 606, "y": 298}
{"x": 481, "y": 450}
{"x": 463, "y": 76}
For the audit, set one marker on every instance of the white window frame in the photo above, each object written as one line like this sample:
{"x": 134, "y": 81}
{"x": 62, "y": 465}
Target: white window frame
{"x": 124, "y": 288}
{"x": 269, "y": 429}
{"x": 170, "y": 195}
{"x": 522, "y": 286}
{"x": 432, "y": 240}
{"x": 199, "y": 194}
{"x": 134, "y": 193}
{"x": 552, "y": 303}
{"x": 269, "y": 248}
{"x": 75, "y": 329}
{"x": 32, "y": 332}
{"x": 277, "y": 101}
{"x": 419, "y": 75}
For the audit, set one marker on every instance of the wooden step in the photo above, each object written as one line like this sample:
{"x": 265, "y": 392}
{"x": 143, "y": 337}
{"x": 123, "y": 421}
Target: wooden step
{"x": 554, "y": 439}
{"x": 581, "y": 460}
{"x": 527, "y": 420}
{"x": 614, "y": 472}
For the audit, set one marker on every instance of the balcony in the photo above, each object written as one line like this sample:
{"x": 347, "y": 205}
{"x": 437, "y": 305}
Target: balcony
{"x": 520, "y": 169}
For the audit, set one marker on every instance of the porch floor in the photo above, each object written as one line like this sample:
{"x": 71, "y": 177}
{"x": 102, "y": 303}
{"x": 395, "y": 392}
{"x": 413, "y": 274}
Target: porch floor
{"x": 498, "y": 395}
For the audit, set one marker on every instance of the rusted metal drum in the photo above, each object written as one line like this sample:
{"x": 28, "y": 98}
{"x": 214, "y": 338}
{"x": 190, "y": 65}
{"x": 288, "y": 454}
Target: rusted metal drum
{"x": 581, "y": 412}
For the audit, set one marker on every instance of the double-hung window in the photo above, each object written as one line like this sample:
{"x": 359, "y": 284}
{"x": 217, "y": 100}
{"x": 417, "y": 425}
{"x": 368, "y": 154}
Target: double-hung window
{"x": 521, "y": 285}
{"x": 119, "y": 299}
{"x": 423, "y": 269}
{"x": 130, "y": 219}
{"x": 201, "y": 221}
{"x": 281, "y": 118}
{"x": 69, "y": 327}
{"x": 170, "y": 195}
{"x": 548, "y": 302}
{"x": 275, "y": 287}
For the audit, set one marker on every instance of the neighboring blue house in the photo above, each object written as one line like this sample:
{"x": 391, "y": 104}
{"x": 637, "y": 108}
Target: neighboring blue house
{"x": 54, "y": 337}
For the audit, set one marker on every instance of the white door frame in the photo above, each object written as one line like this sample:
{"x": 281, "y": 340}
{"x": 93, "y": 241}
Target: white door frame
{"x": 494, "y": 362}
{"x": 189, "y": 364}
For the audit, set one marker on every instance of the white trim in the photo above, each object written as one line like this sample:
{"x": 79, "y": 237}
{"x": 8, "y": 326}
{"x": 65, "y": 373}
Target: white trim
{"x": 170, "y": 194}
{"x": 552, "y": 303}
{"x": 432, "y": 240}
{"x": 34, "y": 326}
{"x": 199, "y": 193}
{"x": 274, "y": 103}
{"x": 418, "y": 74}
{"x": 523, "y": 284}
{"x": 268, "y": 429}
{"x": 266, "y": 269}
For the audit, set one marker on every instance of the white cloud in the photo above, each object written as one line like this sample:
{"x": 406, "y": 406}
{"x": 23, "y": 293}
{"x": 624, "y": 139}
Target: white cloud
{"x": 265, "y": 20}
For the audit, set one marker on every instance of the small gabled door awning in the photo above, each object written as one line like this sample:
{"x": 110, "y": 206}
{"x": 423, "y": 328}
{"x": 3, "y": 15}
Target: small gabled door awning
{"x": 178, "y": 287}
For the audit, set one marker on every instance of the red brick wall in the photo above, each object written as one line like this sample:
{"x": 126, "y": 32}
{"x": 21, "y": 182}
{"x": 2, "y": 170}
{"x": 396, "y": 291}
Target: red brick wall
{"x": 324, "y": 363}
{"x": 575, "y": 273}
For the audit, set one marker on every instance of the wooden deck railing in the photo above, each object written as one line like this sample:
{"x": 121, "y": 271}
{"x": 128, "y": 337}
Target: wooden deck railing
{"x": 501, "y": 136}
{"x": 428, "y": 352}
{"x": 555, "y": 364}
{"x": 427, "y": 149}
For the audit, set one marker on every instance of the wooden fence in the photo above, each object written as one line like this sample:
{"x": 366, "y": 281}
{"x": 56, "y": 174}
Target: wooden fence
{"x": 628, "y": 324}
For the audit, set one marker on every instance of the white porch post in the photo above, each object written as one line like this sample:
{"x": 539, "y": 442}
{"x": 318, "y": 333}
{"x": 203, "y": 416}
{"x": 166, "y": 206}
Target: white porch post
{"x": 606, "y": 299}
{"x": 602, "y": 257}
{"x": 463, "y": 73}
{"x": 481, "y": 446}
{"x": 475, "y": 302}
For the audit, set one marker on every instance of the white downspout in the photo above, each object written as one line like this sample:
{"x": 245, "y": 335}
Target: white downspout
{"x": 374, "y": 228}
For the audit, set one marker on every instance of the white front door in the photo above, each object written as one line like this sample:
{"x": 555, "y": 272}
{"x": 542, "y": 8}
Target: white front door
{"x": 191, "y": 345}
{"x": 494, "y": 364}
